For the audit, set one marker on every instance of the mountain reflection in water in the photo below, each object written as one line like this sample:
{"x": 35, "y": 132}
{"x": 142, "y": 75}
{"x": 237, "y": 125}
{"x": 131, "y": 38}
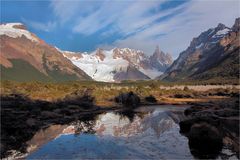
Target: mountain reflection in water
{"x": 147, "y": 133}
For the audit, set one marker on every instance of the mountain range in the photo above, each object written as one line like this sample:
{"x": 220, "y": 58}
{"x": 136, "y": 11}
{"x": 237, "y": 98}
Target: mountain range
{"x": 214, "y": 54}
{"x": 121, "y": 64}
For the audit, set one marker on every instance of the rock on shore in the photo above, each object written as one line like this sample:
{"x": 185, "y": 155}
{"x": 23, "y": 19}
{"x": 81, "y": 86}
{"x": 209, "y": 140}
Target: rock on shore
{"x": 208, "y": 127}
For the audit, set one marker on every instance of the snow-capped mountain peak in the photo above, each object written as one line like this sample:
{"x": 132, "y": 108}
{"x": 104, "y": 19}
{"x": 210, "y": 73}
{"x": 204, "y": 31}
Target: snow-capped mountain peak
{"x": 100, "y": 65}
{"x": 221, "y": 33}
{"x": 118, "y": 64}
{"x": 15, "y": 30}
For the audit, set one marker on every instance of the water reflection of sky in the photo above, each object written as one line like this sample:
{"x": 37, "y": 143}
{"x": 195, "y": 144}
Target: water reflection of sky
{"x": 149, "y": 135}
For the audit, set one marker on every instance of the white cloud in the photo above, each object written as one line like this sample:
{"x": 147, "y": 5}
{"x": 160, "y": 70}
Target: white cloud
{"x": 98, "y": 19}
{"x": 126, "y": 17}
{"x": 47, "y": 27}
{"x": 66, "y": 10}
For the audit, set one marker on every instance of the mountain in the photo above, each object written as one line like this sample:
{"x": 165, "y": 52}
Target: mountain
{"x": 25, "y": 57}
{"x": 213, "y": 55}
{"x": 160, "y": 60}
{"x": 120, "y": 64}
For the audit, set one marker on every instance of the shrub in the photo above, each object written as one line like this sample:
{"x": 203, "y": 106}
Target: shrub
{"x": 128, "y": 99}
{"x": 151, "y": 99}
{"x": 79, "y": 97}
{"x": 186, "y": 88}
{"x": 183, "y": 96}
{"x": 153, "y": 85}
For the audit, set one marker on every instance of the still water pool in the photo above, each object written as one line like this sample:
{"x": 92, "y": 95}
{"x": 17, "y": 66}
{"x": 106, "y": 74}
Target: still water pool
{"x": 146, "y": 133}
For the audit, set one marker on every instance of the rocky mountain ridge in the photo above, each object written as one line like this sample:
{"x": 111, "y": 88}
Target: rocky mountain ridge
{"x": 207, "y": 54}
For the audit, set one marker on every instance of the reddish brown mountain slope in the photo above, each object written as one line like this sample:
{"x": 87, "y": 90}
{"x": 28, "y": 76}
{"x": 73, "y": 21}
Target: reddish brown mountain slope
{"x": 22, "y": 49}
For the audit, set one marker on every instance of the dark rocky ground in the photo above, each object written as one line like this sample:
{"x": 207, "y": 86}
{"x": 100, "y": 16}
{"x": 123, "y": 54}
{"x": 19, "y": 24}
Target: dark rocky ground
{"x": 210, "y": 126}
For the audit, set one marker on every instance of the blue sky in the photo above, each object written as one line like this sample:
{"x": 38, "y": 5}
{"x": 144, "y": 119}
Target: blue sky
{"x": 87, "y": 25}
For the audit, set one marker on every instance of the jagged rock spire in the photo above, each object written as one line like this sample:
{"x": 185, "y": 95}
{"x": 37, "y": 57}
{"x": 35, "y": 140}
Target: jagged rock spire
{"x": 236, "y": 26}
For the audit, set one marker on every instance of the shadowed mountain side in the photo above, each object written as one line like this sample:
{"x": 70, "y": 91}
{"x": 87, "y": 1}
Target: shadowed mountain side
{"x": 213, "y": 55}
{"x": 131, "y": 74}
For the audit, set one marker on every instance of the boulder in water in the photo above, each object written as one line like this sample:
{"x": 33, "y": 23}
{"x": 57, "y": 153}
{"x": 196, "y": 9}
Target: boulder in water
{"x": 205, "y": 141}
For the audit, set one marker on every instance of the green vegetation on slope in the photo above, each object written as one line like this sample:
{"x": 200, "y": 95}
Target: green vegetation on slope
{"x": 56, "y": 74}
{"x": 227, "y": 70}
{"x": 22, "y": 71}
